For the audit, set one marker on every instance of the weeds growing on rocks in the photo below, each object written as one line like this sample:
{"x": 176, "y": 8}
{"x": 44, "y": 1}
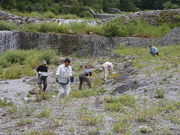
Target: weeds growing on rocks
{"x": 23, "y": 122}
{"x": 160, "y": 93}
{"x": 4, "y": 102}
{"x": 119, "y": 103}
{"x": 82, "y": 93}
{"x": 44, "y": 113}
{"x": 89, "y": 119}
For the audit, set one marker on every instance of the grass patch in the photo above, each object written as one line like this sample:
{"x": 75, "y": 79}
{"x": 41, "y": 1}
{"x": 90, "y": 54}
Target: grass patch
{"x": 4, "y": 103}
{"x": 24, "y": 122}
{"x": 88, "y": 118}
{"x": 114, "y": 107}
{"x": 13, "y": 72}
{"x": 82, "y": 93}
{"x": 142, "y": 61}
{"x": 45, "y": 113}
{"x": 119, "y": 103}
{"x": 117, "y": 27}
{"x": 160, "y": 93}
{"x": 134, "y": 28}
{"x": 21, "y": 62}
{"x": 119, "y": 126}
{"x": 45, "y": 95}
{"x": 7, "y": 25}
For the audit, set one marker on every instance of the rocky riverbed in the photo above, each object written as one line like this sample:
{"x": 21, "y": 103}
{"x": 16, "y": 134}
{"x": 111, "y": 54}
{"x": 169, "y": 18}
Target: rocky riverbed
{"x": 145, "y": 111}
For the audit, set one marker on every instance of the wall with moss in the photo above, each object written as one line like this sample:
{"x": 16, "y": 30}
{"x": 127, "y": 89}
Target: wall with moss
{"x": 83, "y": 45}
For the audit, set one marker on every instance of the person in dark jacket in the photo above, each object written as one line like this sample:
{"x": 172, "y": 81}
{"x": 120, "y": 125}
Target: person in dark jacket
{"x": 84, "y": 76}
{"x": 40, "y": 69}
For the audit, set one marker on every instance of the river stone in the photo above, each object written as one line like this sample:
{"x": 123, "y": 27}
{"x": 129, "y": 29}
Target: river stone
{"x": 89, "y": 66}
{"x": 29, "y": 99}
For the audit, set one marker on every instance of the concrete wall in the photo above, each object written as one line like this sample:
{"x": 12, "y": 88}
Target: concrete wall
{"x": 82, "y": 44}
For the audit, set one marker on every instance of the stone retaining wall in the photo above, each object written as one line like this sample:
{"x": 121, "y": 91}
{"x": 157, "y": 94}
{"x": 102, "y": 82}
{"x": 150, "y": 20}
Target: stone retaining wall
{"x": 155, "y": 17}
{"x": 82, "y": 44}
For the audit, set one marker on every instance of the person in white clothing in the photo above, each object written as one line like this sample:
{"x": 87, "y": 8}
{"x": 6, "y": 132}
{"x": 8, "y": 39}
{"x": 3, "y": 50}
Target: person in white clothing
{"x": 64, "y": 71}
{"x": 106, "y": 66}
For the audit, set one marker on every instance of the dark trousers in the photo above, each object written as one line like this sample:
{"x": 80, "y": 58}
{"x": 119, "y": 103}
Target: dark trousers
{"x": 154, "y": 54}
{"x": 44, "y": 81}
{"x": 84, "y": 79}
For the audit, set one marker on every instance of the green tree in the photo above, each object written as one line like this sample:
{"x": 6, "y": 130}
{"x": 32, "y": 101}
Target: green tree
{"x": 8, "y": 4}
{"x": 127, "y": 5}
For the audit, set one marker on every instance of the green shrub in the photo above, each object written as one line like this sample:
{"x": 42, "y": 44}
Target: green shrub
{"x": 7, "y": 25}
{"x": 45, "y": 95}
{"x": 160, "y": 93}
{"x": 134, "y": 28}
{"x": 119, "y": 126}
{"x": 86, "y": 14}
{"x": 145, "y": 90}
{"x": 33, "y": 59}
{"x": 3, "y": 62}
{"x": 114, "y": 107}
{"x": 49, "y": 27}
{"x": 88, "y": 117}
{"x": 13, "y": 72}
{"x": 32, "y": 27}
{"x": 16, "y": 56}
{"x": 28, "y": 71}
{"x": 111, "y": 29}
{"x": 144, "y": 129}
{"x": 111, "y": 99}
{"x": 1, "y": 71}
{"x": 45, "y": 113}
{"x": 48, "y": 14}
{"x": 30, "y": 59}
{"x": 48, "y": 55}
{"x": 68, "y": 16}
{"x": 23, "y": 122}
{"x": 4, "y": 103}
{"x": 64, "y": 28}
{"x": 127, "y": 100}
{"x": 33, "y": 14}
{"x": 83, "y": 93}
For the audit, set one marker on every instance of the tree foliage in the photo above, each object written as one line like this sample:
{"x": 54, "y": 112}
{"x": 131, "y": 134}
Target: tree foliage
{"x": 56, "y": 6}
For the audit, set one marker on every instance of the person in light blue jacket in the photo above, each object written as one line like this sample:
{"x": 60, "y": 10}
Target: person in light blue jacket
{"x": 153, "y": 51}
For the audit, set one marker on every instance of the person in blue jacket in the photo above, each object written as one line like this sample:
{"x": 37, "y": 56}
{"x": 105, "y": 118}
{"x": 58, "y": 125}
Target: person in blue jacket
{"x": 153, "y": 51}
{"x": 84, "y": 69}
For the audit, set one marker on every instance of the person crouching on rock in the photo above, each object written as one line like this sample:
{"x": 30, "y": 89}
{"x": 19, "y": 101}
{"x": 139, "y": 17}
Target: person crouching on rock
{"x": 63, "y": 75}
{"x": 42, "y": 76}
{"x": 106, "y": 67}
{"x": 153, "y": 51}
{"x": 84, "y": 77}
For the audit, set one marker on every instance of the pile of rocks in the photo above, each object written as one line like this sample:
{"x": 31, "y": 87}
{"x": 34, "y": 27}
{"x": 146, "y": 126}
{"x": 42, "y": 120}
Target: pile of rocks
{"x": 153, "y": 17}
{"x": 26, "y": 20}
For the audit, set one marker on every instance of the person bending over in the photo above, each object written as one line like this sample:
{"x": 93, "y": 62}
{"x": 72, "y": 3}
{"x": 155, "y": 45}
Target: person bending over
{"x": 84, "y": 77}
{"x": 106, "y": 67}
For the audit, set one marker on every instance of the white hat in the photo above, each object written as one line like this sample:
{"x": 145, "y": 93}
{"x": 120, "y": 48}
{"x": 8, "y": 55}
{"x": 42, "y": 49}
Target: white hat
{"x": 44, "y": 62}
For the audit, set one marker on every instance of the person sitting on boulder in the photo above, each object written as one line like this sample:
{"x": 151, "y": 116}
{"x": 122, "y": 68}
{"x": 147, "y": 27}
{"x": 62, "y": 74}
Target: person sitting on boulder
{"x": 107, "y": 66}
{"x": 41, "y": 78}
{"x": 153, "y": 51}
{"x": 84, "y": 77}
